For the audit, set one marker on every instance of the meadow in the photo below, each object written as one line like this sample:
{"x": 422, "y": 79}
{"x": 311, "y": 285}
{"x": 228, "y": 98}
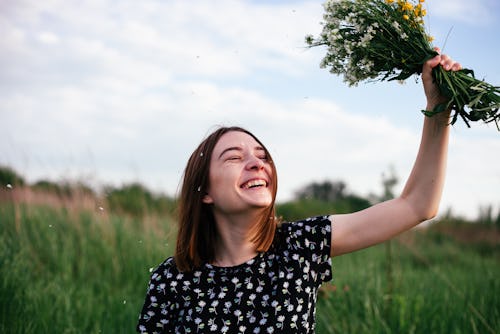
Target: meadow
{"x": 67, "y": 268}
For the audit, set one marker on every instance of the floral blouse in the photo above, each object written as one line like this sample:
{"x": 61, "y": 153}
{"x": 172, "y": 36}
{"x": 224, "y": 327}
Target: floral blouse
{"x": 275, "y": 292}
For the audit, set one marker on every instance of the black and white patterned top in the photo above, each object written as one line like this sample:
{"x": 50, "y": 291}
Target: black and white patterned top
{"x": 275, "y": 292}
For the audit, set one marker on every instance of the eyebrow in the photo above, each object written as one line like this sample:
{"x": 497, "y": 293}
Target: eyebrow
{"x": 239, "y": 149}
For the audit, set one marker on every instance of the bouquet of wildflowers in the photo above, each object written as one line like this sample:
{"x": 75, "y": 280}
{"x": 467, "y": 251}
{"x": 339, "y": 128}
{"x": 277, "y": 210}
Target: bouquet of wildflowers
{"x": 377, "y": 40}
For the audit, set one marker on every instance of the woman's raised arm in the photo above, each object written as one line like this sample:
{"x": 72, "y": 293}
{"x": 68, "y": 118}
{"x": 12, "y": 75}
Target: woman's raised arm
{"x": 419, "y": 200}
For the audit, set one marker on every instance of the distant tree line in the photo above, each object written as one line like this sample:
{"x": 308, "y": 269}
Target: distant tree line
{"x": 133, "y": 199}
{"x": 315, "y": 198}
{"x": 318, "y": 198}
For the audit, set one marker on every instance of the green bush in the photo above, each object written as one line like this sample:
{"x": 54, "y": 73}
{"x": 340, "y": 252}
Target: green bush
{"x": 303, "y": 208}
{"x": 136, "y": 200}
{"x": 9, "y": 176}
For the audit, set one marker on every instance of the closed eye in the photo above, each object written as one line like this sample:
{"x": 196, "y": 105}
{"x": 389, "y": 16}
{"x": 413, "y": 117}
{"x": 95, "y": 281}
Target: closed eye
{"x": 261, "y": 154}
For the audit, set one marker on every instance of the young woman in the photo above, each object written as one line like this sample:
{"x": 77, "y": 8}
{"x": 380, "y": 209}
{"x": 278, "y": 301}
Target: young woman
{"x": 237, "y": 270}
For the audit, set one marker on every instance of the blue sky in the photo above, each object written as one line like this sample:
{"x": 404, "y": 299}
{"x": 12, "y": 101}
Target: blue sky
{"x": 111, "y": 92}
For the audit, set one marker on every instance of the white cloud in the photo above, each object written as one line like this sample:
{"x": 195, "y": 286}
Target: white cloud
{"x": 48, "y": 37}
{"x": 473, "y": 167}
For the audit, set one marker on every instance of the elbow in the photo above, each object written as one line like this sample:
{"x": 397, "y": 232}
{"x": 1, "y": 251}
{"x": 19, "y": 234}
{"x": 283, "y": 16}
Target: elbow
{"x": 430, "y": 210}
{"x": 422, "y": 210}
{"x": 428, "y": 215}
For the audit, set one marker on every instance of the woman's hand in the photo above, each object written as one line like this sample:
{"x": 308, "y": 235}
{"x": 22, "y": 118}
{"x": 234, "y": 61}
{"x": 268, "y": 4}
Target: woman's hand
{"x": 431, "y": 90}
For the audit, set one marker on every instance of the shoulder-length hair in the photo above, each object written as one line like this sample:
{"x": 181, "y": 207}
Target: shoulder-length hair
{"x": 197, "y": 233}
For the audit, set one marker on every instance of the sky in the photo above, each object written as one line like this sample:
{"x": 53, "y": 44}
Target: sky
{"x": 113, "y": 92}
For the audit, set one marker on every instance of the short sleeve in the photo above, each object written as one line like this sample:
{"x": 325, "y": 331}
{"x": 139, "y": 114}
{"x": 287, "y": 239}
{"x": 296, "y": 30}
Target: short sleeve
{"x": 309, "y": 241}
{"x": 157, "y": 312}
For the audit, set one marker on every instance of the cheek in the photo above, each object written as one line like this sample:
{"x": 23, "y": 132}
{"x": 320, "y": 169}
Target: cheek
{"x": 269, "y": 169}
{"x": 221, "y": 177}
{"x": 270, "y": 172}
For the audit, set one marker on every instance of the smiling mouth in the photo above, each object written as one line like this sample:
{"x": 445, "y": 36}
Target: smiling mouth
{"x": 254, "y": 184}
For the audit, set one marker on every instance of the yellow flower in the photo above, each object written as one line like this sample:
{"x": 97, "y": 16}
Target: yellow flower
{"x": 389, "y": 1}
{"x": 407, "y": 6}
{"x": 430, "y": 38}
{"x": 418, "y": 10}
{"x": 421, "y": 1}
{"x": 406, "y": 17}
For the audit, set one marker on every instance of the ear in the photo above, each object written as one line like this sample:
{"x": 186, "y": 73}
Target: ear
{"x": 207, "y": 199}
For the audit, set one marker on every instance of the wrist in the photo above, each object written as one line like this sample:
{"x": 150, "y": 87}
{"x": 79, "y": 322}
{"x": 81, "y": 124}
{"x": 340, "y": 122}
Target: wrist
{"x": 434, "y": 108}
{"x": 439, "y": 111}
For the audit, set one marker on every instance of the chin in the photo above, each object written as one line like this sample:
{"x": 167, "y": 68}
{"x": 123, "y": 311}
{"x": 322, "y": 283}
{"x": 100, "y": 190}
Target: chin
{"x": 264, "y": 203}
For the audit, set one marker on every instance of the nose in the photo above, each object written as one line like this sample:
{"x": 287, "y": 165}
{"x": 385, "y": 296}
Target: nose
{"x": 255, "y": 163}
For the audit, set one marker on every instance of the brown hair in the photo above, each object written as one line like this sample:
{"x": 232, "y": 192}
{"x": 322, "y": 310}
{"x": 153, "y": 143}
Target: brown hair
{"x": 197, "y": 234}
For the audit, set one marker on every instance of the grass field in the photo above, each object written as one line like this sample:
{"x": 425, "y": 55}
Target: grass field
{"x": 67, "y": 270}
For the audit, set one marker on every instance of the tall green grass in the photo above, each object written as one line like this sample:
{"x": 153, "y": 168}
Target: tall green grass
{"x": 436, "y": 286}
{"x": 84, "y": 271}
{"x": 75, "y": 272}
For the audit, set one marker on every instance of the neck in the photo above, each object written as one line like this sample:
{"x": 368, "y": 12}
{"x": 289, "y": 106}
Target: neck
{"x": 234, "y": 246}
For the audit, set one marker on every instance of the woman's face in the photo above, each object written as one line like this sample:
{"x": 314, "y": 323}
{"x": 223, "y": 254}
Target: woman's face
{"x": 240, "y": 175}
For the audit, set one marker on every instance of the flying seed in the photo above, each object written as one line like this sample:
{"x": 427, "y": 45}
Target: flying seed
{"x": 201, "y": 154}
{"x": 151, "y": 269}
{"x": 199, "y": 188}
{"x": 9, "y": 185}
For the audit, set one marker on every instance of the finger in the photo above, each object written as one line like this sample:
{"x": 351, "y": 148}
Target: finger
{"x": 445, "y": 62}
{"x": 449, "y": 64}
{"x": 433, "y": 62}
{"x": 456, "y": 66}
